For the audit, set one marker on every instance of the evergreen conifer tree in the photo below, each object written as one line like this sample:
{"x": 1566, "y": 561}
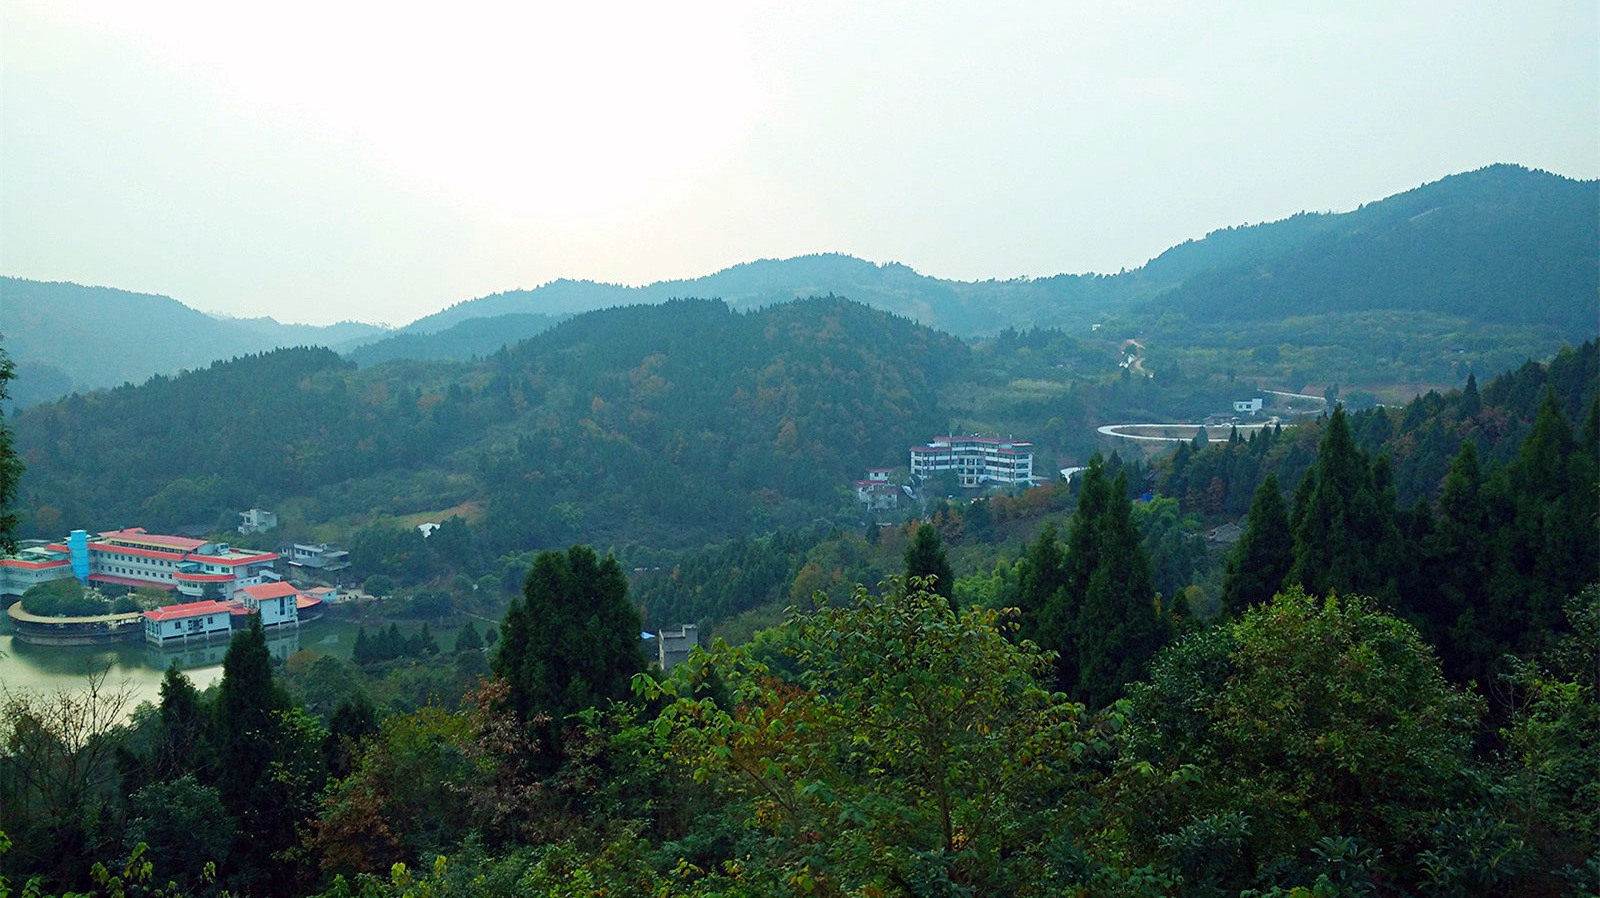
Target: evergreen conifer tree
{"x": 1470, "y": 401}
{"x": 1345, "y": 537}
{"x": 183, "y": 746}
{"x": 1041, "y": 580}
{"x": 250, "y": 739}
{"x": 1095, "y": 602}
{"x": 571, "y": 641}
{"x": 468, "y": 640}
{"x": 1261, "y": 560}
{"x": 925, "y": 558}
{"x": 10, "y": 465}
{"x": 1119, "y": 625}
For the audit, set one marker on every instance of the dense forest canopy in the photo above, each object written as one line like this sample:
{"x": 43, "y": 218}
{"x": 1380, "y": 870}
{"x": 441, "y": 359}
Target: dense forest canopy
{"x": 1352, "y": 653}
{"x": 1070, "y": 689}
{"x": 673, "y": 423}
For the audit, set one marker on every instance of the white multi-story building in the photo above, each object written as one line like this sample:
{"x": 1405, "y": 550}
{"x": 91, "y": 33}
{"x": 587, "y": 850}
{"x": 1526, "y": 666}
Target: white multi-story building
{"x": 137, "y": 558}
{"x": 277, "y": 603}
{"x": 976, "y": 460}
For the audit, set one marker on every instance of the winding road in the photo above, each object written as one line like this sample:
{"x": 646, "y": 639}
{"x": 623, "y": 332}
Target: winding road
{"x": 1115, "y": 430}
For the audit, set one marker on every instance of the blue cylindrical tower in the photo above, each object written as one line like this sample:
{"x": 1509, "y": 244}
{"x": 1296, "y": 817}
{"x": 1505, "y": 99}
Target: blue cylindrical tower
{"x": 78, "y": 545}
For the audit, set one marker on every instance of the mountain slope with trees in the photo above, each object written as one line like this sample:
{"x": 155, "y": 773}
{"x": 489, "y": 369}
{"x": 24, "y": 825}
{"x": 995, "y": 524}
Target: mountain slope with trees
{"x": 1471, "y": 272}
{"x": 1500, "y": 245}
{"x": 678, "y": 423}
{"x": 65, "y": 337}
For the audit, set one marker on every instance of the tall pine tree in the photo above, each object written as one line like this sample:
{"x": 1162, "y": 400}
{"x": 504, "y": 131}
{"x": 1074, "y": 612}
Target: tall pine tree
{"x": 925, "y": 558}
{"x": 1261, "y": 560}
{"x": 571, "y": 642}
{"x": 1094, "y": 604}
{"x": 1345, "y": 536}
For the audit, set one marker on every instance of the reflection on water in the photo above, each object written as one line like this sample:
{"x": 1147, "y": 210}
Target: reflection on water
{"x": 207, "y": 653}
{"x": 47, "y": 668}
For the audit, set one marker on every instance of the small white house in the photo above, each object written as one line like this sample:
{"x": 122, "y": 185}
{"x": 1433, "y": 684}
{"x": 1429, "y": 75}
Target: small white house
{"x": 189, "y": 621}
{"x": 320, "y": 556}
{"x": 257, "y": 520}
{"x": 277, "y": 603}
{"x": 1248, "y": 406}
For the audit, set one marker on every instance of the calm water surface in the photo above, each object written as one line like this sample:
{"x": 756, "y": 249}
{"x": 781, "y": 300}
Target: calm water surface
{"x": 41, "y": 668}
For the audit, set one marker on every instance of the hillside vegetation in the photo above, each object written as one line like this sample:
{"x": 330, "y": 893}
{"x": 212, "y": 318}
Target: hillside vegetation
{"x": 664, "y": 424}
{"x": 66, "y": 337}
{"x": 1473, "y": 272}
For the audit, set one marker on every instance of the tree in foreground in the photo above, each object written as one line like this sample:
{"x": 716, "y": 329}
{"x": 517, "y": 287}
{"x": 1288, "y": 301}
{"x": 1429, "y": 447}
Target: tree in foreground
{"x": 1262, "y": 558}
{"x": 10, "y": 465}
{"x": 916, "y": 754}
{"x": 1345, "y": 536}
{"x": 1093, "y": 603}
{"x": 571, "y": 642}
{"x": 1311, "y": 735}
{"x": 269, "y": 763}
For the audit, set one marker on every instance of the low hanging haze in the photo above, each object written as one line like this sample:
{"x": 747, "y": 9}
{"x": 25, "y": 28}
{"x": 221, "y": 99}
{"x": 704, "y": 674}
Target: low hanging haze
{"x": 326, "y": 160}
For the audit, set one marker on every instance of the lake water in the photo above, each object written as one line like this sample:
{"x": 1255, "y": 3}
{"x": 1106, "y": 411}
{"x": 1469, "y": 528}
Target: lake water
{"x": 48, "y": 668}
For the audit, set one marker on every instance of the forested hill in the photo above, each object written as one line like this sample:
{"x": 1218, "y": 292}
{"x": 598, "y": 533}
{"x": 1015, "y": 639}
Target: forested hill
{"x": 960, "y": 307}
{"x": 66, "y": 337}
{"x": 1500, "y": 257}
{"x": 671, "y": 424}
{"x": 1501, "y": 245}
{"x": 472, "y": 338}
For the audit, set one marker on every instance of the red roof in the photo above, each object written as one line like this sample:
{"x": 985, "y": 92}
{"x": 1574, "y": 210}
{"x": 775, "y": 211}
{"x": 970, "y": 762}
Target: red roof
{"x": 204, "y": 578}
{"x": 128, "y": 581}
{"x": 271, "y": 590}
{"x": 147, "y": 553}
{"x": 31, "y": 565}
{"x": 139, "y": 535}
{"x": 191, "y": 609}
{"x": 305, "y": 601}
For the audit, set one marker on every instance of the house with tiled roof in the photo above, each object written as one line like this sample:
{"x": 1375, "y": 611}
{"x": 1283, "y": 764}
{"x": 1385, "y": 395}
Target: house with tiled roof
{"x": 191, "y": 620}
{"x": 277, "y": 603}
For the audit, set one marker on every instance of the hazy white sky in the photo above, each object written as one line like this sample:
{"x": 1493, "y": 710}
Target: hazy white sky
{"x": 319, "y": 160}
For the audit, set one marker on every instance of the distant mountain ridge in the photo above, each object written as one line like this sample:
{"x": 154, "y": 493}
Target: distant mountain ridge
{"x": 67, "y": 337}
{"x": 1503, "y": 245}
{"x": 1500, "y": 245}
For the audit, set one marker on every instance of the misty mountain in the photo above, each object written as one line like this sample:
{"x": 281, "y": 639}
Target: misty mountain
{"x": 472, "y": 338}
{"x": 332, "y": 335}
{"x": 1501, "y": 245}
{"x": 65, "y": 337}
{"x": 960, "y": 307}
{"x": 1499, "y": 255}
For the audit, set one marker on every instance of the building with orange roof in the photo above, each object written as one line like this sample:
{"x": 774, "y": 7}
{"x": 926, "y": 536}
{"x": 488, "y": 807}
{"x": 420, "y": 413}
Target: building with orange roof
{"x": 194, "y": 568}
